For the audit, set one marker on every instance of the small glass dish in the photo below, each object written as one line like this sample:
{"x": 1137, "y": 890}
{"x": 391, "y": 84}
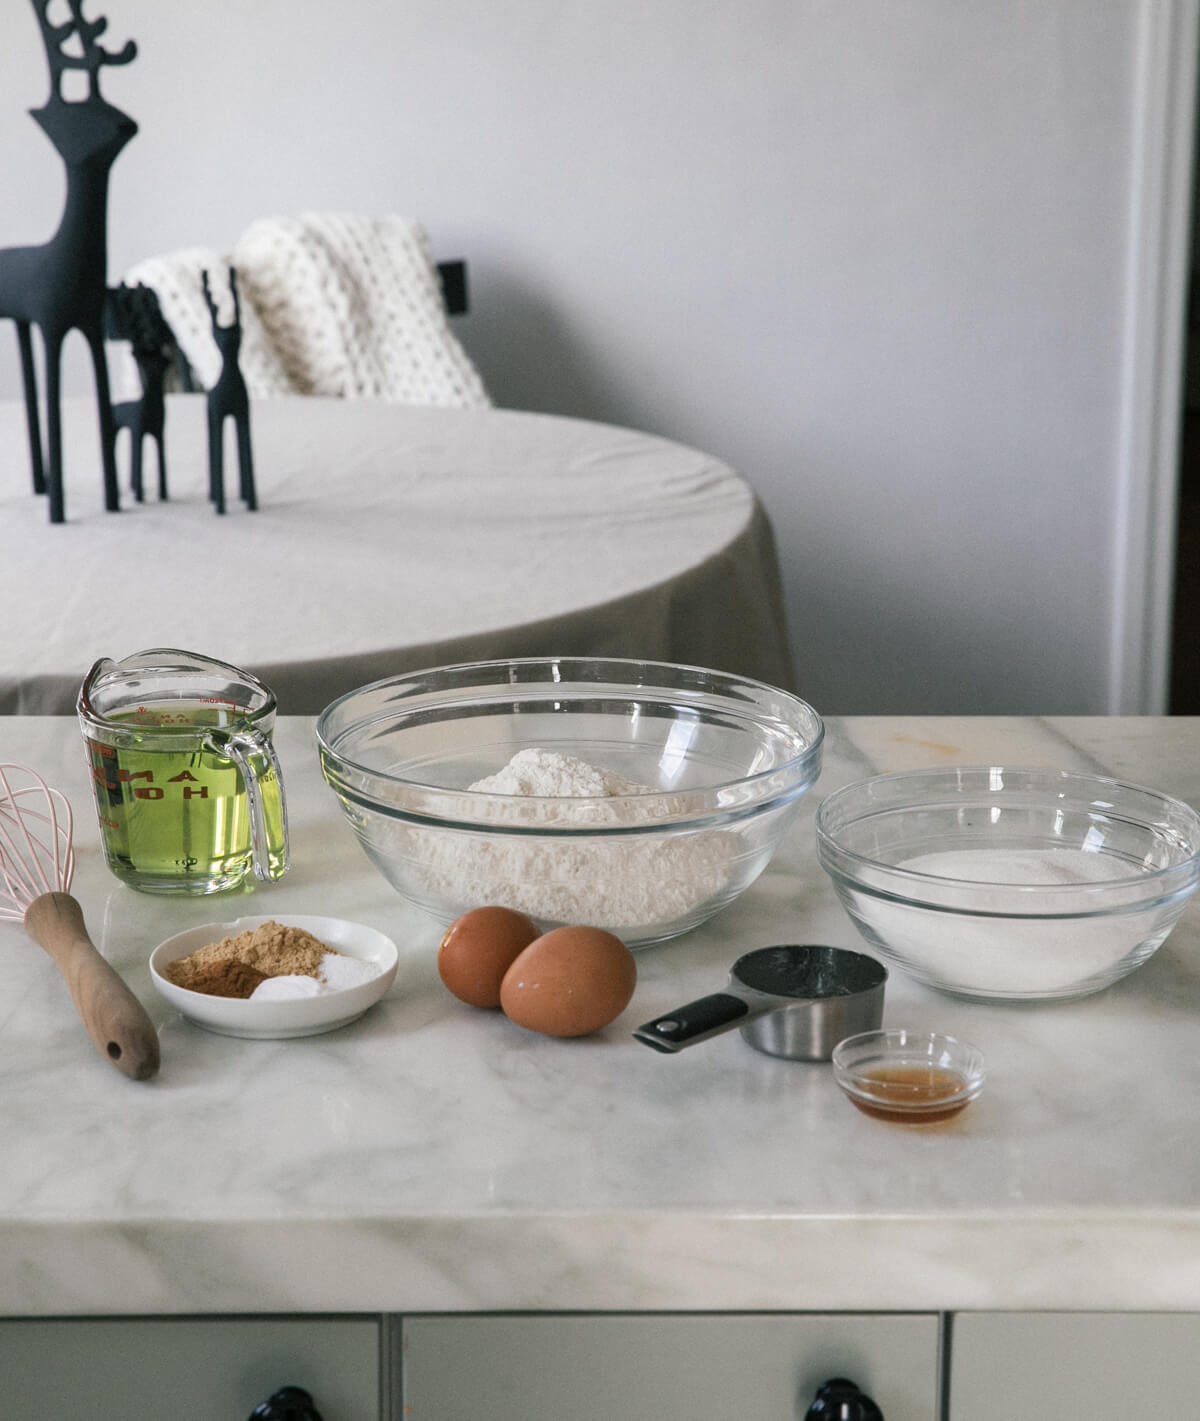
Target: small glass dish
{"x": 914, "y": 1077}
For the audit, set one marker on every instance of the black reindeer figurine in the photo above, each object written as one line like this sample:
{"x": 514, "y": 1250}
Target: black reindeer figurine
{"x": 132, "y": 314}
{"x": 228, "y": 399}
{"x": 60, "y": 286}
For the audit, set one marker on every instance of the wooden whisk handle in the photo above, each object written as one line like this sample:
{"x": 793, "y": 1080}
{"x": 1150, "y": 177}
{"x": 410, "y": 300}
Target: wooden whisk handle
{"x": 115, "y": 1020}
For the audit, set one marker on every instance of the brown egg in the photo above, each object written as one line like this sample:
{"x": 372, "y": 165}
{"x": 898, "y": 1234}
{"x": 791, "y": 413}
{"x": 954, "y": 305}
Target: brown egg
{"x": 569, "y": 982}
{"x": 478, "y": 948}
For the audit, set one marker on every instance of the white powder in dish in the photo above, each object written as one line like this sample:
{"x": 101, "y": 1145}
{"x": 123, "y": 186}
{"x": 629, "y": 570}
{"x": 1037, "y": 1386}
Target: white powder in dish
{"x": 288, "y": 988}
{"x": 339, "y": 970}
{"x": 336, "y": 972}
{"x": 1011, "y": 955}
{"x": 619, "y": 885}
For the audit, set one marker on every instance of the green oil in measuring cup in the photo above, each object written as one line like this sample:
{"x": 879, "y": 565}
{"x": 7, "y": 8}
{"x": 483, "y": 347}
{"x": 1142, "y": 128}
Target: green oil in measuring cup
{"x": 176, "y": 818}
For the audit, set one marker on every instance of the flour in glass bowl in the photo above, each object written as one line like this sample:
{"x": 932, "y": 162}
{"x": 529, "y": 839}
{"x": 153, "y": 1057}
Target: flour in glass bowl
{"x": 548, "y": 774}
{"x": 1017, "y": 955}
{"x": 621, "y": 885}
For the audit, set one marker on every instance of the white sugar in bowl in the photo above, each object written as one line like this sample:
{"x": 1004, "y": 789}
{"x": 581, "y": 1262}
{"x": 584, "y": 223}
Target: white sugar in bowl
{"x": 1004, "y": 884}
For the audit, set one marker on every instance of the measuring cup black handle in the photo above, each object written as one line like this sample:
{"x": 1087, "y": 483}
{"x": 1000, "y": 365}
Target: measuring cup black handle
{"x": 697, "y": 1021}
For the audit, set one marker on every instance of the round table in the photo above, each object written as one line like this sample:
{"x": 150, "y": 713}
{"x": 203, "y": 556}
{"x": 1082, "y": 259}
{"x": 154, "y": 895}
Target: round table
{"x": 387, "y": 538}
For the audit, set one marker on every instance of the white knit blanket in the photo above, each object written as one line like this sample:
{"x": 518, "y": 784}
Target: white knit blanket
{"x": 176, "y": 280}
{"x": 331, "y": 304}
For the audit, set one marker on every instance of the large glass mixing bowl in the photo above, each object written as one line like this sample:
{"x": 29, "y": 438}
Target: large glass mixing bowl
{"x": 717, "y": 764}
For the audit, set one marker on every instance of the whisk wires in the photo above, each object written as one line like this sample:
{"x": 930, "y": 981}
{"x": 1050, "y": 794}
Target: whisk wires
{"x": 36, "y": 853}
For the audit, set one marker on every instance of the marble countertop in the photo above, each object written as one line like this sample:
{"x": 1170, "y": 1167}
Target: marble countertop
{"x": 433, "y": 1157}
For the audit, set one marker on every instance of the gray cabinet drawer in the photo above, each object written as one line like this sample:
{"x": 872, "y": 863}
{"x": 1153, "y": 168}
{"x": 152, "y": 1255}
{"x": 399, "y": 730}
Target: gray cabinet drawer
{"x": 1102, "y": 1366}
{"x": 185, "y": 1369}
{"x": 671, "y": 1368}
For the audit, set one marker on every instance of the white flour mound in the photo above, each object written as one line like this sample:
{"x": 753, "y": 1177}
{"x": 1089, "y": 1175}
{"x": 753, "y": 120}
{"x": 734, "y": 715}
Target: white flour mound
{"x": 605, "y": 883}
{"x": 545, "y": 780}
{"x": 549, "y": 774}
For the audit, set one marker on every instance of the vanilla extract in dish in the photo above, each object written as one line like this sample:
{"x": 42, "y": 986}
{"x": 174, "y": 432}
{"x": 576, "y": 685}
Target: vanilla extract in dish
{"x": 912, "y": 1094}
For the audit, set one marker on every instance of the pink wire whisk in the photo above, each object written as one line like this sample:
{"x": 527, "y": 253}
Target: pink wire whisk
{"x": 37, "y": 864}
{"x": 33, "y": 860}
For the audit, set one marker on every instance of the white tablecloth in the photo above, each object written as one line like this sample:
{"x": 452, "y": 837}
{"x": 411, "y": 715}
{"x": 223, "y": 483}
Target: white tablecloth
{"x": 388, "y": 538}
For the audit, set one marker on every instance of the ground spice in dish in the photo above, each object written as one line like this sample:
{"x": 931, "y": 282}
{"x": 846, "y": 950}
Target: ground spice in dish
{"x": 271, "y": 950}
{"x": 226, "y": 979}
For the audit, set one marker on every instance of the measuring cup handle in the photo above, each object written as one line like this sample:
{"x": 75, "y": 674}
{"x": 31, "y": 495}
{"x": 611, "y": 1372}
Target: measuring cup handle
{"x": 697, "y": 1021}
{"x": 270, "y": 859}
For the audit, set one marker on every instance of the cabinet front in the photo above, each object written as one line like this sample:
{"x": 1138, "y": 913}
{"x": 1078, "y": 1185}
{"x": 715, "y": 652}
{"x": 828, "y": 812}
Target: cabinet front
{"x": 671, "y": 1368}
{"x": 1098, "y": 1366}
{"x": 201, "y": 1369}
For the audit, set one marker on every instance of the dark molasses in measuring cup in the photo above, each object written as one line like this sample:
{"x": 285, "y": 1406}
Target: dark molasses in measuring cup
{"x": 187, "y": 784}
{"x": 794, "y": 1000}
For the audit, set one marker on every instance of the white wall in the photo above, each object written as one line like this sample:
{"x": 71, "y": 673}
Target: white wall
{"x": 875, "y": 253}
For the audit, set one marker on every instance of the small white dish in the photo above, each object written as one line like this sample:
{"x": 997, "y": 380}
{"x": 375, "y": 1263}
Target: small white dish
{"x": 273, "y": 1020}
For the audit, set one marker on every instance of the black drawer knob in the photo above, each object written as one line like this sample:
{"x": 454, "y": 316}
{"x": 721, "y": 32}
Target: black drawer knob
{"x": 289, "y": 1403}
{"x": 841, "y": 1400}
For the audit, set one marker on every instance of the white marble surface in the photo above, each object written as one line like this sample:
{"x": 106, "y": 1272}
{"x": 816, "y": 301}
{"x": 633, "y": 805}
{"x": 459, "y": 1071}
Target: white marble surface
{"x": 434, "y": 1157}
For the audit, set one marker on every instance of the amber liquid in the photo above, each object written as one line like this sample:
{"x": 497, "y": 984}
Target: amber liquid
{"x": 917, "y": 1094}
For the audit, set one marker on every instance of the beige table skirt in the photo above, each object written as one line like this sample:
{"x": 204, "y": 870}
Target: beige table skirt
{"x": 388, "y": 538}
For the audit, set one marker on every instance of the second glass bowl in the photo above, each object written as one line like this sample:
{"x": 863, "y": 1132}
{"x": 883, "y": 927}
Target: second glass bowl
{"x": 1006, "y": 884}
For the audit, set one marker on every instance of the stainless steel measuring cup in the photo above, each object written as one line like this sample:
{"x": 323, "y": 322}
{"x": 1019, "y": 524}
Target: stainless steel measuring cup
{"x": 793, "y": 1000}
{"x": 187, "y": 784}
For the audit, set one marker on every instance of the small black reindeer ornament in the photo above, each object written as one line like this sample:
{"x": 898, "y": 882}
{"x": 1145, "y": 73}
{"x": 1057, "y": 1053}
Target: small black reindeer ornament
{"x": 132, "y": 313}
{"x": 60, "y": 286}
{"x": 228, "y": 399}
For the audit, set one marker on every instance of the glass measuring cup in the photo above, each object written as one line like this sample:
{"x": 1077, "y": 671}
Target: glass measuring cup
{"x": 186, "y": 780}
